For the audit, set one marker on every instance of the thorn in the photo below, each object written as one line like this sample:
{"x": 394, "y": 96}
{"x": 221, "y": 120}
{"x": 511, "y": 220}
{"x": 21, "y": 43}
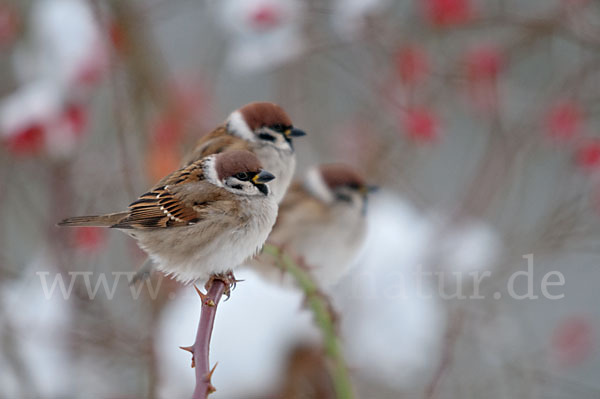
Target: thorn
{"x": 200, "y": 293}
{"x": 211, "y": 372}
{"x": 210, "y": 303}
{"x": 191, "y": 350}
{"x": 210, "y": 389}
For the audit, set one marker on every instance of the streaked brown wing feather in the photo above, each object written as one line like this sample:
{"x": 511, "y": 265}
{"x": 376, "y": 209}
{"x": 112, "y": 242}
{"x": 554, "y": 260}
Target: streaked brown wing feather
{"x": 94, "y": 220}
{"x": 188, "y": 173}
{"x": 180, "y": 199}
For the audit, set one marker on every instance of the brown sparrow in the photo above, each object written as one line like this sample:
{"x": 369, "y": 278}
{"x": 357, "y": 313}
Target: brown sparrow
{"x": 322, "y": 220}
{"x": 262, "y": 128}
{"x": 203, "y": 219}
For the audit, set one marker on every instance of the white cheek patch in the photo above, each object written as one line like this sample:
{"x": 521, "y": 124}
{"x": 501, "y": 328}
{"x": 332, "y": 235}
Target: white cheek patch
{"x": 246, "y": 187}
{"x": 238, "y": 127}
{"x": 278, "y": 142}
{"x": 210, "y": 171}
{"x": 315, "y": 185}
{"x": 282, "y": 143}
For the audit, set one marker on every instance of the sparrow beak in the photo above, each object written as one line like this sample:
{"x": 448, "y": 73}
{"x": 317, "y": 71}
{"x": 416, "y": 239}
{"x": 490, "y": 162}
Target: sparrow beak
{"x": 293, "y": 132}
{"x": 368, "y": 189}
{"x": 262, "y": 177}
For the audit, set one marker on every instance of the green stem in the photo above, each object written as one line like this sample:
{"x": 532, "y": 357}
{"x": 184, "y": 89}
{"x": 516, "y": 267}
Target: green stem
{"x": 324, "y": 320}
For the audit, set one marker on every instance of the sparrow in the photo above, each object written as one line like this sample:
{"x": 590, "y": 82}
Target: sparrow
{"x": 262, "y": 128}
{"x": 203, "y": 219}
{"x": 322, "y": 222}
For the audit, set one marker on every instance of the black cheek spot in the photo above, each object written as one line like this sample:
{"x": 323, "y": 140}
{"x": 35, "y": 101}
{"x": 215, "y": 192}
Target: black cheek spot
{"x": 343, "y": 198}
{"x": 237, "y": 186}
{"x": 266, "y": 137}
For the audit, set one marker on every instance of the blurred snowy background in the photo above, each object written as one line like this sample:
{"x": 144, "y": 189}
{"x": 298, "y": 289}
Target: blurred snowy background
{"x": 479, "y": 119}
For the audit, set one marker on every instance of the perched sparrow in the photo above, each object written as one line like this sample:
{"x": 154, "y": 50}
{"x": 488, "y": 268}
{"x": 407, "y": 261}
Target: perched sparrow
{"x": 322, "y": 221}
{"x": 262, "y": 128}
{"x": 203, "y": 219}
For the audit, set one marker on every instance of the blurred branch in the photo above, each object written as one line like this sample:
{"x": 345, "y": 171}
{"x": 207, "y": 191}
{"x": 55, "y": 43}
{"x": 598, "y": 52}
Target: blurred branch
{"x": 321, "y": 309}
{"x": 14, "y": 355}
{"x": 119, "y": 112}
{"x": 141, "y": 54}
{"x": 452, "y": 334}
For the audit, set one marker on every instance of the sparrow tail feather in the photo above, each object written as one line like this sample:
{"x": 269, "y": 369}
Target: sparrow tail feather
{"x": 96, "y": 221}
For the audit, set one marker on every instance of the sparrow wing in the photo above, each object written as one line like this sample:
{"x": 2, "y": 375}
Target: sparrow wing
{"x": 219, "y": 140}
{"x": 181, "y": 199}
{"x": 93, "y": 220}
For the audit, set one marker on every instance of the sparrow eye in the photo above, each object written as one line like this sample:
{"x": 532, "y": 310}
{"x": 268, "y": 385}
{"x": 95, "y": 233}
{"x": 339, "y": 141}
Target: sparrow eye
{"x": 278, "y": 128}
{"x": 243, "y": 176}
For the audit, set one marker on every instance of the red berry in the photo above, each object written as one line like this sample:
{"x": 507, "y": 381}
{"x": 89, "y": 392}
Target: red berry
{"x": 588, "y": 155}
{"x": 412, "y": 64}
{"x": 572, "y": 341}
{"x": 564, "y": 120}
{"x": 28, "y": 141}
{"x": 483, "y": 64}
{"x": 76, "y": 117}
{"x": 420, "y": 124}
{"x": 90, "y": 239}
{"x": 266, "y": 16}
{"x": 445, "y": 13}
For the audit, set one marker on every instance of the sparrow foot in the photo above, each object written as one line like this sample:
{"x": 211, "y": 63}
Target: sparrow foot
{"x": 143, "y": 273}
{"x": 227, "y": 278}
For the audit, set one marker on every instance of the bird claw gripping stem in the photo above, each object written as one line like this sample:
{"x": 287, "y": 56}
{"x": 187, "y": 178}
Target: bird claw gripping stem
{"x": 227, "y": 278}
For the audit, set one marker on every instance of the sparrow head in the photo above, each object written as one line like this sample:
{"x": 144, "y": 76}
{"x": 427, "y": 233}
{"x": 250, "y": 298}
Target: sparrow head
{"x": 338, "y": 183}
{"x": 265, "y": 123}
{"x": 240, "y": 172}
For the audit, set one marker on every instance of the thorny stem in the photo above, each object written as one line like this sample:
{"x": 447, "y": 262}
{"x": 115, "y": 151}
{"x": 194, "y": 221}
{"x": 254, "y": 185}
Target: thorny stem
{"x": 324, "y": 319}
{"x": 200, "y": 349}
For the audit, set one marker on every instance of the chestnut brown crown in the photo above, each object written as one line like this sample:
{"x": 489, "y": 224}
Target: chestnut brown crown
{"x": 341, "y": 175}
{"x": 230, "y": 163}
{"x": 261, "y": 114}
